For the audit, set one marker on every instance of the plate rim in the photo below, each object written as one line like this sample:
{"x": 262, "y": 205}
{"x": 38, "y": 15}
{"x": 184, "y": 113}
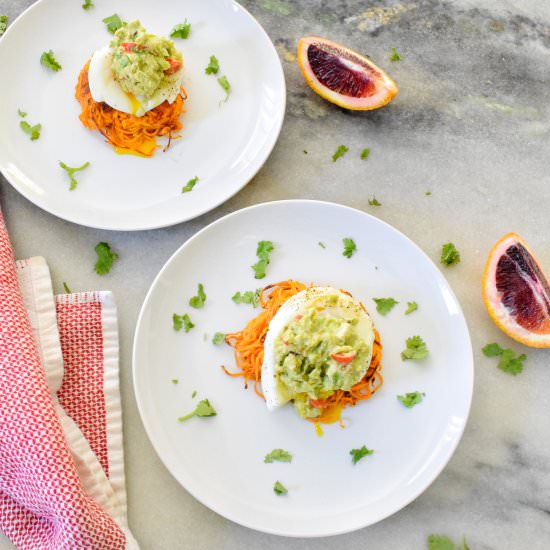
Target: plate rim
{"x": 295, "y": 534}
{"x": 274, "y": 138}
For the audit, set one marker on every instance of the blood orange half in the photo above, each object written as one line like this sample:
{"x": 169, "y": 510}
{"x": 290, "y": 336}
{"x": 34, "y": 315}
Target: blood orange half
{"x": 517, "y": 293}
{"x": 342, "y": 76}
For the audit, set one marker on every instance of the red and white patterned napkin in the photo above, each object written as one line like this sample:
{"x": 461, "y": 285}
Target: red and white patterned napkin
{"x": 61, "y": 455}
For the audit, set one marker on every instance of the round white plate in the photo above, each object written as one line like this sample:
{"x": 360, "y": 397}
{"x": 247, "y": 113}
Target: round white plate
{"x": 224, "y": 144}
{"x": 219, "y": 460}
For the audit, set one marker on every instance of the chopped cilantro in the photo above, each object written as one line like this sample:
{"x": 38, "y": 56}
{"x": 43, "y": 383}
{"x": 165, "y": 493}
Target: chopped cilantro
{"x": 416, "y": 349}
{"x": 322, "y": 244}
{"x": 105, "y": 258}
{"x": 213, "y": 66}
{"x": 71, "y": 171}
{"x": 48, "y": 60}
{"x": 181, "y": 30}
{"x": 449, "y": 254}
{"x": 182, "y": 321}
{"x": 194, "y": 394}
{"x": 411, "y": 306}
{"x": 349, "y": 247}
{"x": 385, "y": 305}
{"x": 442, "y": 542}
{"x": 279, "y": 455}
{"x": 374, "y": 202}
{"x": 203, "y": 408}
{"x": 248, "y": 297}
{"x": 279, "y": 488}
{"x": 218, "y": 338}
{"x": 411, "y": 399}
{"x": 394, "y": 56}
{"x": 508, "y": 361}
{"x": 190, "y": 184}
{"x": 3, "y": 24}
{"x": 88, "y": 4}
{"x": 262, "y": 252}
{"x": 224, "y": 83}
{"x": 175, "y": 381}
{"x": 358, "y": 454}
{"x": 32, "y": 131}
{"x": 340, "y": 152}
{"x": 113, "y": 23}
{"x": 364, "y": 154}
{"x": 21, "y": 113}
{"x": 66, "y": 288}
{"x": 198, "y": 301}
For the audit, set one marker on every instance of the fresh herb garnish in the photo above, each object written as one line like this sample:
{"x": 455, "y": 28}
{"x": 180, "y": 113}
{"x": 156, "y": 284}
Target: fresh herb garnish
{"x": 198, "y": 301}
{"x": 190, "y": 184}
{"x": 213, "y": 66}
{"x": 364, "y": 153}
{"x": 449, "y": 254}
{"x": 411, "y": 306}
{"x": 374, "y": 202}
{"x": 340, "y": 152}
{"x": 175, "y": 381}
{"x": 411, "y": 399}
{"x": 508, "y": 362}
{"x": 203, "y": 409}
{"x": 3, "y": 24}
{"x": 248, "y": 297}
{"x": 113, "y": 23}
{"x": 218, "y": 338}
{"x": 394, "y": 56}
{"x": 278, "y": 455}
{"x": 262, "y": 252}
{"x": 224, "y": 83}
{"x": 32, "y": 131}
{"x": 279, "y": 488}
{"x": 358, "y": 454}
{"x": 105, "y": 258}
{"x": 182, "y": 322}
{"x": 71, "y": 171}
{"x": 194, "y": 394}
{"x": 48, "y": 60}
{"x": 66, "y": 288}
{"x": 181, "y": 30}
{"x": 21, "y": 113}
{"x": 385, "y": 305}
{"x": 322, "y": 244}
{"x": 428, "y": 193}
{"x": 416, "y": 349}
{"x": 442, "y": 542}
{"x": 349, "y": 247}
{"x": 88, "y": 4}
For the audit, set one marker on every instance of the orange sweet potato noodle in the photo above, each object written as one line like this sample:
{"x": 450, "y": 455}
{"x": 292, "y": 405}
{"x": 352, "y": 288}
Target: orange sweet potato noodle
{"x": 124, "y": 131}
{"x": 249, "y": 353}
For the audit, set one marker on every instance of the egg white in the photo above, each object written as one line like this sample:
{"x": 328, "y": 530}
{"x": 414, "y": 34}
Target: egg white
{"x": 346, "y": 307}
{"x": 104, "y": 88}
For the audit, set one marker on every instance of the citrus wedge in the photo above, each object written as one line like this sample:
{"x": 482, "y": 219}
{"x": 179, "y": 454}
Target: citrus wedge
{"x": 342, "y": 76}
{"x": 517, "y": 293}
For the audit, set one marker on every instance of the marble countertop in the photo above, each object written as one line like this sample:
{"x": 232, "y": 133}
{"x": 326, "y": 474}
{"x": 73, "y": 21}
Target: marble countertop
{"x": 471, "y": 124}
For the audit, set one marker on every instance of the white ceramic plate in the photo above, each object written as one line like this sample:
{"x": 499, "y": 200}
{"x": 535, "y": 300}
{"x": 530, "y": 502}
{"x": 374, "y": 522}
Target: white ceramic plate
{"x": 219, "y": 460}
{"x": 223, "y": 144}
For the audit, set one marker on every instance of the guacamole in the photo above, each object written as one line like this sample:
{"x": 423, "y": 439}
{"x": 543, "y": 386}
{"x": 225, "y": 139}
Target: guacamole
{"x": 317, "y": 354}
{"x": 143, "y": 62}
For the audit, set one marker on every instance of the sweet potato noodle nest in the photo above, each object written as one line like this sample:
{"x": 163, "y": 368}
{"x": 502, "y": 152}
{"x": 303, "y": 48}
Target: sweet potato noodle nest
{"x": 249, "y": 354}
{"x": 128, "y": 133}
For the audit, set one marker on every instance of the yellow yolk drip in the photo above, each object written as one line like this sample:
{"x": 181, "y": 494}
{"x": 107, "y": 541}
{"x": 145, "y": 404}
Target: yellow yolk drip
{"x": 318, "y": 429}
{"x": 332, "y": 415}
{"x": 136, "y": 105}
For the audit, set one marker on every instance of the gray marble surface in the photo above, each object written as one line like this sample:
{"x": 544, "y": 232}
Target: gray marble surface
{"x": 471, "y": 124}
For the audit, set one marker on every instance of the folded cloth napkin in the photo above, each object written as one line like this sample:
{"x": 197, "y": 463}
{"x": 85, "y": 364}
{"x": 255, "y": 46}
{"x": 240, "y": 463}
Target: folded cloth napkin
{"x": 61, "y": 455}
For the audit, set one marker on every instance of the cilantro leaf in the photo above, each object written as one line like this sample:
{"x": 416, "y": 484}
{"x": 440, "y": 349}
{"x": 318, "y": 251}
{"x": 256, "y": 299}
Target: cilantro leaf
{"x": 113, "y": 23}
{"x": 32, "y": 131}
{"x": 190, "y": 184}
{"x": 218, "y": 338}
{"x": 349, "y": 247}
{"x": 374, "y": 202}
{"x": 279, "y": 488}
{"x": 364, "y": 154}
{"x": 198, "y": 301}
{"x": 340, "y": 152}
{"x": 428, "y": 193}
{"x": 440, "y": 542}
{"x": 416, "y": 349}
{"x": 411, "y": 306}
{"x": 48, "y": 60}
{"x": 385, "y": 305}
{"x": 224, "y": 83}
{"x": 411, "y": 399}
{"x": 322, "y": 245}
{"x": 492, "y": 350}
{"x": 3, "y": 24}
{"x": 21, "y": 113}
{"x": 105, "y": 258}
{"x": 194, "y": 394}
{"x": 203, "y": 409}
{"x": 358, "y": 454}
{"x": 88, "y": 4}
{"x": 248, "y": 297}
{"x": 280, "y": 455}
{"x": 71, "y": 171}
{"x": 508, "y": 361}
{"x": 262, "y": 252}
{"x": 182, "y": 321}
{"x": 213, "y": 66}
{"x": 175, "y": 381}
{"x": 395, "y": 56}
{"x": 181, "y": 30}
{"x": 449, "y": 254}
{"x": 66, "y": 288}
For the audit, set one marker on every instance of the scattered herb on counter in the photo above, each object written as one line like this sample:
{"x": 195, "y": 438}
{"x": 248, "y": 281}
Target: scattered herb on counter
{"x": 374, "y": 202}
{"x": 322, "y": 244}
{"x": 71, "y": 172}
{"x": 263, "y": 251}
{"x": 198, "y": 301}
{"x": 411, "y": 399}
{"x": 442, "y": 542}
{"x": 175, "y": 381}
{"x": 21, "y": 113}
{"x": 218, "y": 338}
{"x": 213, "y": 66}
{"x": 182, "y": 322}
{"x": 358, "y": 454}
{"x": 66, "y": 288}
{"x": 449, "y": 254}
{"x": 416, "y": 349}
{"x": 32, "y": 131}
{"x": 48, "y": 60}
{"x": 190, "y": 184}
{"x": 411, "y": 306}
{"x": 279, "y": 488}
{"x": 88, "y": 5}
{"x": 3, "y": 24}
{"x": 395, "y": 56}
{"x": 181, "y": 30}
{"x": 350, "y": 247}
{"x": 364, "y": 154}
{"x": 279, "y": 455}
{"x": 113, "y": 23}
{"x": 508, "y": 361}
{"x": 105, "y": 258}
{"x": 248, "y": 297}
{"x": 340, "y": 152}
{"x": 203, "y": 409}
{"x": 224, "y": 83}
{"x": 385, "y": 305}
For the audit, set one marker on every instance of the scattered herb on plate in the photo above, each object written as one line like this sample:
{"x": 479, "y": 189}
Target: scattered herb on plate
{"x": 385, "y": 305}
{"x": 181, "y": 30}
{"x": 194, "y": 394}
{"x": 3, "y": 24}
{"x": 365, "y": 153}
{"x": 32, "y": 131}
{"x": 263, "y": 251}
{"x": 213, "y": 66}
{"x": 350, "y": 247}
{"x": 411, "y": 399}
{"x": 48, "y": 60}
{"x": 66, "y": 288}
{"x": 218, "y": 338}
{"x": 358, "y": 454}
{"x": 395, "y": 56}
{"x": 508, "y": 361}
{"x": 279, "y": 488}
{"x": 340, "y": 152}
{"x": 71, "y": 172}
{"x": 21, "y": 113}
{"x": 248, "y": 297}
{"x": 449, "y": 254}
{"x": 411, "y": 306}
{"x": 224, "y": 83}
{"x": 88, "y": 5}
{"x": 198, "y": 301}
{"x": 203, "y": 409}
{"x": 374, "y": 202}
{"x": 428, "y": 193}
{"x": 190, "y": 184}
{"x": 113, "y": 23}
{"x": 175, "y": 381}
{"x": 105, "y": 258}
{"x": 279, "y": 455}
{"x": 415, "y": 349}
{"x": 182, "y": 322}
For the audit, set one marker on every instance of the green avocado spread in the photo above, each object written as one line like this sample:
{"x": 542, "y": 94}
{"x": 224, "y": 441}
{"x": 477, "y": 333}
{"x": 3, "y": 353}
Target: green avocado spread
{"x": 143, "y": 62}
{"x": 317, "y": 354}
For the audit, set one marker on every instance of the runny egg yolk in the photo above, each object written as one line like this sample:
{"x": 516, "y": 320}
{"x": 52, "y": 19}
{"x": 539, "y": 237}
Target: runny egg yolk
{"x": 136, "y": 105}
